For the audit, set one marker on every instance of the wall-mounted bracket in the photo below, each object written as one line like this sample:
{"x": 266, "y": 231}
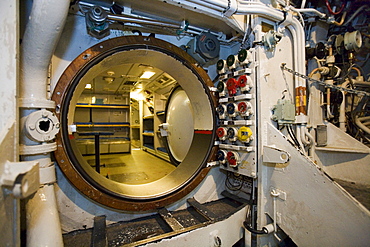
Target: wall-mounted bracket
{"x": 163, "y": 128}
{"x": 275, "y": 155}
{"x": 271, "y": 38}
{"x": 22, "y": 178}
{"x": 278, "y": 193}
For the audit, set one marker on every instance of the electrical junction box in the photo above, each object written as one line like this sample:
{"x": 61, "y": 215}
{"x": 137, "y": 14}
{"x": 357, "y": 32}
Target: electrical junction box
{"x": 284, "y": 112}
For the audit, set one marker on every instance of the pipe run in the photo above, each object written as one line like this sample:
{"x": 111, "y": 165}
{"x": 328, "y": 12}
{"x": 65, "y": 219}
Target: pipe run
{"x": 42, "y": 217}
{"x": 143, "y": 21}
{"x": 274, "y": 195}
{"x": 41, "y": 36}
{"x": 38, "y": 45}
{"x": 312, "y": 11}
{"x": 358, "y": 121}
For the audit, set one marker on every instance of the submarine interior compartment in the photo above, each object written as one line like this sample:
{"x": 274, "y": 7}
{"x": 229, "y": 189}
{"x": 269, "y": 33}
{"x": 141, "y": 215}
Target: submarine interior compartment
{"x": 185, "y": 123}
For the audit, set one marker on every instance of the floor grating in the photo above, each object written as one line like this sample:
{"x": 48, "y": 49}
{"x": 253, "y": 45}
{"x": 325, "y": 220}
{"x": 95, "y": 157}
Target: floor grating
{"x": 155, "y": 227}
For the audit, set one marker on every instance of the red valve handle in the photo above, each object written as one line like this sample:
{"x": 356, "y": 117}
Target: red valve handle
{"x": 242, "y": 81}
{"x": 232, "y": 85}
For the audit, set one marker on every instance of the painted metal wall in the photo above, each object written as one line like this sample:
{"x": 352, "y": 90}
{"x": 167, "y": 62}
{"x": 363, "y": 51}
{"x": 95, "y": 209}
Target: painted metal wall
{"x": 9, "y": 37}
{"x": 302, "y": 200}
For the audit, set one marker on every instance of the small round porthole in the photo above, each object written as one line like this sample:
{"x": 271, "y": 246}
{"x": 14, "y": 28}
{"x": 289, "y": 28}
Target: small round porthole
{"x": 188, "y": 126}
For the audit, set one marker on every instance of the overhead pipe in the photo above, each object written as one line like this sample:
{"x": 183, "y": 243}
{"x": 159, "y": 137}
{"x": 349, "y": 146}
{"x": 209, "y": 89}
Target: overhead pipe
{"x": 129, "y": 18}
{"x": 219, "y": 8}
{"x": 312, "y": 11}
{"x": 227, "y": 8}
{"x": 41, "y": 36}
{"x": 136, "y": 20}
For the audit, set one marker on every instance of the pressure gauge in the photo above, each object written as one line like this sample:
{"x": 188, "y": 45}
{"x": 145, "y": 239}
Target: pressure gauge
{"x": 245, "y": 109}
{"x": 233, "y": 158}
{"x": 232, "y": 109}
{"x": 221, "y": 88}
{"x": 221, "y": 156}
{"x": 221, "y": 110}
{"x": 221, "y": 133}
{"x": 232, "y": 134}
{"x": 245, "y": 83}
{"x": 232, "y": 86}
{"x": 245, "y": 134}
{"x": 244, "y": 57}
{"x": 231, "y": 62}
{"x": 221, "y": 66}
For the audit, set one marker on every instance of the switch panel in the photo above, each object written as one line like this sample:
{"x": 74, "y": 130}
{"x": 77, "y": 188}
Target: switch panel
{"x": 236, "y": 110}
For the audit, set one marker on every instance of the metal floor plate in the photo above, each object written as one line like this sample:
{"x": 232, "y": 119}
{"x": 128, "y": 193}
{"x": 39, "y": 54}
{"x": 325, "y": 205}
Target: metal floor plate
{"x": 154, "y": 227}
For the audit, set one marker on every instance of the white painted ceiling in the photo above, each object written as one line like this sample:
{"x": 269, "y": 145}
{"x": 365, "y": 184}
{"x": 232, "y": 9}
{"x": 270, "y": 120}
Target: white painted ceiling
{"x": 126, "y": 77}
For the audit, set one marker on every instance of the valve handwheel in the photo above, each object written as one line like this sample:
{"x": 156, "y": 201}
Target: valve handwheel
{"x": 232, "y": 85}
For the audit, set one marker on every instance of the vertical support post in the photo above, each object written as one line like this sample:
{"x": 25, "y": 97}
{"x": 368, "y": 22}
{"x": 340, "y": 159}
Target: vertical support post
{"x": 97, "y": 152}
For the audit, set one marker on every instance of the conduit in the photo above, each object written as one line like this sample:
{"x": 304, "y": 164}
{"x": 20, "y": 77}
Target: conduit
{"x": 313, "y": 11}
{"x": 361, "y": 125}
{"x": 354, "y": 14}
{"x": 41, "y": 35}
{"x": 342, "y": 113}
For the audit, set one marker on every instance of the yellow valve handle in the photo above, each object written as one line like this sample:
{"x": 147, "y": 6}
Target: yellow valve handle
{"x": 244, "y": 133}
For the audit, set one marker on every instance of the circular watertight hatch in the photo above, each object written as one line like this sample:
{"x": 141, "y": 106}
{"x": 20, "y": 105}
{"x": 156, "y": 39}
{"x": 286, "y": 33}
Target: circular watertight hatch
{"x": 195, "y": 127}
{"x": 179, "y": 117}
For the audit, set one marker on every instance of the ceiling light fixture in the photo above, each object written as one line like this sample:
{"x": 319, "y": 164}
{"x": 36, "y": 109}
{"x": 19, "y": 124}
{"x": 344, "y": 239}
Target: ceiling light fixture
{"x": 88, "y": 86}
{"x": 147, "y": 75}
{"x": 145, "y": 66}
{"x": 108, "y": 79}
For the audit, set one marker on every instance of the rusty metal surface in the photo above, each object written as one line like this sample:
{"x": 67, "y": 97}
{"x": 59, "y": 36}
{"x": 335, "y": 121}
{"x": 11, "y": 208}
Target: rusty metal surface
{"x": 153, "y": 228}
{"x": 208, "y": 214}
{"x": 99, "y": 236}
{"x": 170, "y": 220}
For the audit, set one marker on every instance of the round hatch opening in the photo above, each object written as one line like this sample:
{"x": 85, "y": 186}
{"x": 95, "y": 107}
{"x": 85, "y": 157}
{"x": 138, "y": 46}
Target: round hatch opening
{"x": 188, "y": 126}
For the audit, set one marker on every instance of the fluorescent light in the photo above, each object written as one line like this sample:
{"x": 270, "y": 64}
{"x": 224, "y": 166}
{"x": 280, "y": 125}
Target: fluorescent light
{"x": 88, "y": 86}
{"x": 147, "y": 75}
{"x": 137, "y": 94}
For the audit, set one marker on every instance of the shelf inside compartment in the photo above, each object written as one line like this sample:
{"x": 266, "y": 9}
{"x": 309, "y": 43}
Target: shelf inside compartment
{"x": 114, "y": 106}
{"x": 162, "y": 149}
{"x": 101, "y": 124}
{"x": 148, "y": 145}
{"x": 107, "y": 145}
{"x": 148, "y": 133}
{"x": 148, "y": 117}
{"x": 160, "y": 113}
